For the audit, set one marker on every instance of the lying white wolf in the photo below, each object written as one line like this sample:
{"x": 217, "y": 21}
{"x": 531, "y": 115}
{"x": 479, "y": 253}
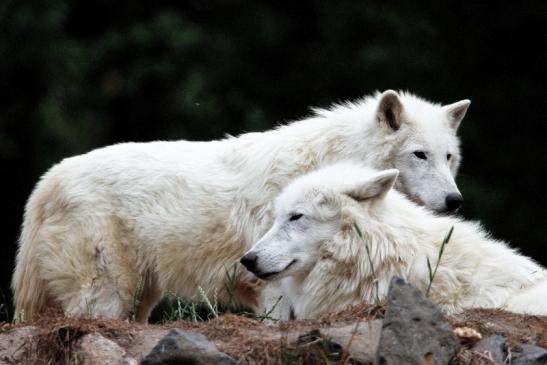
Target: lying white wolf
{"x": 326, "y": 263}
{"x": 176, "y": 215}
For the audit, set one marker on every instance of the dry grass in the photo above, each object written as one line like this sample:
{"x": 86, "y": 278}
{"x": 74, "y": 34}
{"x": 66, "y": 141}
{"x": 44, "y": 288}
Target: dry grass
{"x": 518, "y": 328}
{"x": 251, "y": 341}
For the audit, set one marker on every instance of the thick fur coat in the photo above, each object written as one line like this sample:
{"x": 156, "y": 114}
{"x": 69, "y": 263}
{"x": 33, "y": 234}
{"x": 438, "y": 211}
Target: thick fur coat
{"x": 341, "y": 233}
{"x": 174, "y": 216}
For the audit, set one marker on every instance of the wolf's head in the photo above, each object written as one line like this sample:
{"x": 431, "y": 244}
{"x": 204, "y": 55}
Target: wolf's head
{"x": 426, "y": 149}
{"x": 311, "y": 220}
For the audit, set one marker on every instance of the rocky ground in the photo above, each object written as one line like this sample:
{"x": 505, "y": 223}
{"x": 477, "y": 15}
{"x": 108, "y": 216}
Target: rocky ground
{"x": 410, "y": 330}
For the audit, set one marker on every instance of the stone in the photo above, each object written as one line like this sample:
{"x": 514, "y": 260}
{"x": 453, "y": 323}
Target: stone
{"x": 355, "y": 345}
{"x": 143, "y": 341}
{"x": 96, "y": 349}
{"x": 493, "y": 347}
{"x": 181, "y": 347}
{"x": 414, "y": 331}
{"x": 364, "y": 343}
{"x": 467, "y": 334}
{"x": 17, "y": 345}
{"x": 530, "y": 355}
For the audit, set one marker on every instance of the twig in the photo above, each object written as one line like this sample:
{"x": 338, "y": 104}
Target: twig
{"x": 346, "y": 349}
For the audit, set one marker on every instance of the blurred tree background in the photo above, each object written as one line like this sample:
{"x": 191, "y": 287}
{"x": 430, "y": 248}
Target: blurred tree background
{"x": 78, "y": 75}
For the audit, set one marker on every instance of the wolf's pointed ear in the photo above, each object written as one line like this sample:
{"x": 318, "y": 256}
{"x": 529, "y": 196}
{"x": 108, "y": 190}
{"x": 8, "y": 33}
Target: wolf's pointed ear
{"x": 390, "y": 110}
{"x": 456, "y": 112}
{"x": 375, "y": 187}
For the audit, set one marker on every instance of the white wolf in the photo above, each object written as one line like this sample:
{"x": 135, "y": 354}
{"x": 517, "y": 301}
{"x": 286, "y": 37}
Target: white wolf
{"x": 176, "y": 215}
{"x": 325, "y": 263}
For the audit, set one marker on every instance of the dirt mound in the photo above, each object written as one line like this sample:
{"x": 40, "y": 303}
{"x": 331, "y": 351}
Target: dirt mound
{"x": 54, "y": 339}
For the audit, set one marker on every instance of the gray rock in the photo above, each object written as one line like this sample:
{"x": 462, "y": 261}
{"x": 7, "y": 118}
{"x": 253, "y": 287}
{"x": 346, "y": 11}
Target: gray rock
{"x": 414, "y": 331}
{"x": 493, "y": 347}
{"x": 530, "y": 355}
{"x": 185, "y": 348}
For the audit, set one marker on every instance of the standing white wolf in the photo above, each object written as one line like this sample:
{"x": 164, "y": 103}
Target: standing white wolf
{"x": 176, "y": 215}
{"x": 325, "y": 263}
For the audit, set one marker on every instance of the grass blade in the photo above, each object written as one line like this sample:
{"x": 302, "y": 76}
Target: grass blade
{"x": 441, "y": 252}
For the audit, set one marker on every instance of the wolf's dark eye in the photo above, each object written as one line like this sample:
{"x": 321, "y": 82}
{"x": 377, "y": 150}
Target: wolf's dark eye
{"x": 295, "y": 217}
{"x": 421, "y": 155}
{"x": 448, "y": 157}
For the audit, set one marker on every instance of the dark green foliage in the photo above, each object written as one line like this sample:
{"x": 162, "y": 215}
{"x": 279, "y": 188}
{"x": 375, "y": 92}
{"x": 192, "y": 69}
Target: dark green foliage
{"x": 77, "y": 75}
{"x": 6, "y": 309}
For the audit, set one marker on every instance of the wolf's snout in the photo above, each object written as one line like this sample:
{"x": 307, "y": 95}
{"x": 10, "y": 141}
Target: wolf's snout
{"x": 249, "y": 261}
{"x": 453, "y": 201}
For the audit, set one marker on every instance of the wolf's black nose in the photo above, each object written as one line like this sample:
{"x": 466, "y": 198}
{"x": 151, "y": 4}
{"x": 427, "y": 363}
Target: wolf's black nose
{"x": 249, "y": 261}
{"x": 453, "y": 201}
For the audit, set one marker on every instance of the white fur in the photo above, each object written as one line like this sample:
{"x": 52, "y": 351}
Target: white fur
{"x": 177, "y": 215}
{"x": 323, "y": 263}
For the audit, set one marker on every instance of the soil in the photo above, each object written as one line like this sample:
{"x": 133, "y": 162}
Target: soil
{"x": 53, "y": 338}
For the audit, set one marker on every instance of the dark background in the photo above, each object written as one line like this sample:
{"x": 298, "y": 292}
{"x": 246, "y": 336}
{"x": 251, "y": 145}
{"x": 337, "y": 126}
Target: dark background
{"x": 77, "y": 75}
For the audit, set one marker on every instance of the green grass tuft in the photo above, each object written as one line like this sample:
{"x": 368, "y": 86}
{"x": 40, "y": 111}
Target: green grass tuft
{"x": 137, "y": 297}
{"x": 230, "y": 285}
{"x": 213, "y": 308}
